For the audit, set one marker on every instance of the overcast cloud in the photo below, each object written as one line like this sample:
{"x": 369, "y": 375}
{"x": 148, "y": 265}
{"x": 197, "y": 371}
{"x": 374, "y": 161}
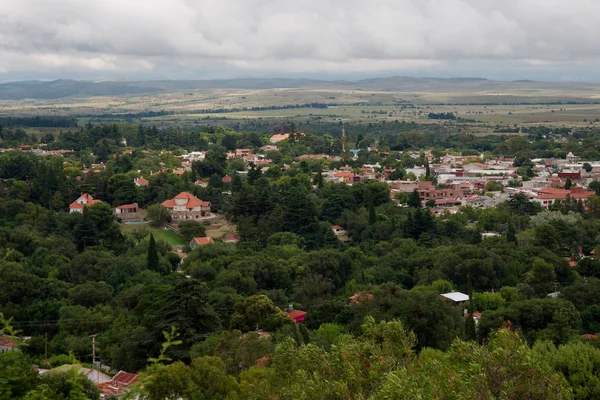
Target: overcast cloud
{"x": 198, "y": 39}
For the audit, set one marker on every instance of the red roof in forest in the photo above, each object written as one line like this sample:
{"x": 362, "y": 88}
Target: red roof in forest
{"x": 125, "y": 378}
{"x": 7, "y": 343}
{"x": 88, "y": 199}
{"x": 203, "y": 240}
{"x": 192, "y": 201}
{"x": 128, "y": 206}
{"x": 231, "y": 238}
{"x": 297, "y": 315}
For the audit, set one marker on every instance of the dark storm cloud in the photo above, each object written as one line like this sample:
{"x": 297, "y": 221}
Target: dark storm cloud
{"x": 165, "y": 37}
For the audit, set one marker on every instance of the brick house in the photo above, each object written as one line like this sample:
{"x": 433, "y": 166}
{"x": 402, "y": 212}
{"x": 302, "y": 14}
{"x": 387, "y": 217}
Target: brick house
{"x": 186, "y": 206}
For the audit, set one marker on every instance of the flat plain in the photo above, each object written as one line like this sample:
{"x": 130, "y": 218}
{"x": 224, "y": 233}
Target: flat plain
{"x": 478, "y": 102}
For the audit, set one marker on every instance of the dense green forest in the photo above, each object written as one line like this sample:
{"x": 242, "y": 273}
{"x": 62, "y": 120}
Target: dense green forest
{"x": 376, "y": 326}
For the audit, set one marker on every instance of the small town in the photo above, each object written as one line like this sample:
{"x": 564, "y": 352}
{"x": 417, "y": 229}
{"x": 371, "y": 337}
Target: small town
{"x": 315, "y": 200}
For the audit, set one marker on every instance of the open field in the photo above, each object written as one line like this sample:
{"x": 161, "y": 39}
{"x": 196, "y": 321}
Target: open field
{"x": 170, "y": 237}
{"x": 377, "y": 100}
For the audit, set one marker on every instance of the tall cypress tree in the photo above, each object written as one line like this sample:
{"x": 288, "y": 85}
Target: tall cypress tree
{"x": 372, "y": 215}
{"x": 152, "y": 261}
{"x": 319, "y": 180}
{"x": 511, "y": 235}
{"x": 85, "y": 230}
{"x": 414, "y": 200}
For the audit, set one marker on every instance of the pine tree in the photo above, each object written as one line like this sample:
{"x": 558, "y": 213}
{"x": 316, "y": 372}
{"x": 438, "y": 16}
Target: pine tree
{"x": 511, "y": 234}
{"x": 152, "y": 261}
{"x": 236, "y": 182}
{"x": 414, "y": 200}
{"x": 568, "y": 184}
{"x": 85, "y": 230}
{"x": 319, "y": 180}
{"x": 372, "y": 214}
{"x": 427, "y": 171}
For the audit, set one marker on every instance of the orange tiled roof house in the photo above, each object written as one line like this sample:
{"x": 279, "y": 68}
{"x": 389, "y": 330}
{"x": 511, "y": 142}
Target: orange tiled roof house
{"x": 83, "y": 201}
{"x": 186, "y": 206}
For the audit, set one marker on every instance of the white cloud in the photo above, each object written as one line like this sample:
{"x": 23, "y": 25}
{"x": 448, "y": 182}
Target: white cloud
{"x": 346, "y": 36}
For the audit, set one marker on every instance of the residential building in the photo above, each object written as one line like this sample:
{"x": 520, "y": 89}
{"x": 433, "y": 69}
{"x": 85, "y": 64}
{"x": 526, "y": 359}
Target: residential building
{"x": 279, "y": 137}
{"x": 117, "y": 386}
{"x": 338, "y": 230}
{"x": 201, "y": 241}
{"x": 7, "y": 345}
{"x": 547, "y": 196}
{"x": 186, "y": 206}
{"x": 127, "y": 209}
{"x": 231, "y": 239}
{"x": 297, "y": 315}
{"x": 141, "y": 181}
{"x": 85, "y": 200}
{"x": 455, "y": 297}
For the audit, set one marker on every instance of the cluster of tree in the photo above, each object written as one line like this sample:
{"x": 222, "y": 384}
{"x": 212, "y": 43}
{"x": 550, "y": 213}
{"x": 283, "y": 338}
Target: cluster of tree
{"x": 443, "y": 115}
{"x": 65, "y": 276}
{"x": 39, "y": 121}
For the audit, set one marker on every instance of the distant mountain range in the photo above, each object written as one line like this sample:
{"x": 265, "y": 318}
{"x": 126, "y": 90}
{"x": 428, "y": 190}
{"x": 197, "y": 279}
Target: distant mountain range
{"x": 74, "y": 88}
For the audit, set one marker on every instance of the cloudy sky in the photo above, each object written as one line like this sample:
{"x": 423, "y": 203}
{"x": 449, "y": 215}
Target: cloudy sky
{"x": 204, "y": 39}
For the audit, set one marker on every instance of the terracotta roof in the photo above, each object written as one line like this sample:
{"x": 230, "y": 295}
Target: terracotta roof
{"x": 203, "y": 240}
{"x": 231, "y": 238}
{"x": 295, "y": 314}
{"x": 108, "y": 390}
{"x": 192, "y": 201}
{"x": 141, "y": 181}
{"x": 89, "y": 200}
{"x": 226, "y": 179}
{"x": 590, "y": 336}
{"x": 125, "y": 378}
{"x": 8, "y": 343}
{"x": 128, "y": 206}
{"x": 280, "y": 136}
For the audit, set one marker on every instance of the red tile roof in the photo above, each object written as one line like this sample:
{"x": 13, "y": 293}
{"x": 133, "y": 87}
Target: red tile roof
{"x": 192, "y": 201}
{"x": 8, "y": 343}
{"x": 231, "y": 238}
{"x": 89, "y": 200}
{"x": 125, "y": 378}
{"x": 128, "y": 206}
{"x": 297, "y": 315}
{"x": 203, "y": 240}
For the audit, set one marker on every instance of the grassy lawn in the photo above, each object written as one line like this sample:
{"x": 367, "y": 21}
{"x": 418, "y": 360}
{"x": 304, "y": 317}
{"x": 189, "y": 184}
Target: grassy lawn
{"x": 170, "y": 237}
